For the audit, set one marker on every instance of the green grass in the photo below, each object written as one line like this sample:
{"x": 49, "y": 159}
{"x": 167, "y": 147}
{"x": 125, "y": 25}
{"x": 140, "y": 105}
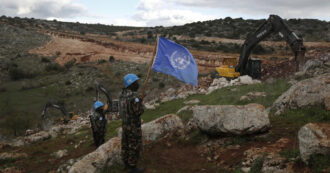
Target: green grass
{"x": 319, "y": 162}
{"x": 293, "y": 153}
{"x": 223, "y": 96}
{"x": 185, "y": 115}
{"x": 257, "y": 164}
{"x": 295, "y": 119}
{"x": 164, "y": 108}
{"x": 111, "y": 129}
{"x": 232, "y": 95}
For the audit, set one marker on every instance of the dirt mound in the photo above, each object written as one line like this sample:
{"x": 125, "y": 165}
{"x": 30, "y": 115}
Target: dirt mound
{"x": 68, "y": 49}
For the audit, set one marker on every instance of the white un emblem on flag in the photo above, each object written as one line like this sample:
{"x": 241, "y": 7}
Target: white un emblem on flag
{"x": 179, "y": 60}
{"x": 175, "y": 60}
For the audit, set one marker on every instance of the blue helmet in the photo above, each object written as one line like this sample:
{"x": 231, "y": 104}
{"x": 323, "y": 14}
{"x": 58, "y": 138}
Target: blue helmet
{"x": 98, "y": 104}
{"x": 129, "y": 79}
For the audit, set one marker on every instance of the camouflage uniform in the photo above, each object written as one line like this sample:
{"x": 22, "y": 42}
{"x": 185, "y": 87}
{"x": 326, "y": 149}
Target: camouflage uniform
{"x": 98, "y": 123}
{"x": 130, "y": 109}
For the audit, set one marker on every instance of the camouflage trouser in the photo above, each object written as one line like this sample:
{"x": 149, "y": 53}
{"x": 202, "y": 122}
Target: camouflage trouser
{"x": 131, "y": 146}
{"x": 99, "y": 129}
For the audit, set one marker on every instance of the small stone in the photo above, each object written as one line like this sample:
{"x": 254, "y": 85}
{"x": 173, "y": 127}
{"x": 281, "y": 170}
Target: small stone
{"x": 60, "y": 153}
{"x": 191, "y": 102}
{"x": 209, "y": 158}
{"x": 246, "y": 169}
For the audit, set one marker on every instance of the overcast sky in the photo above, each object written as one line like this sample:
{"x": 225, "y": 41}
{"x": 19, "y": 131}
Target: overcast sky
{"x": 162, "y": 12}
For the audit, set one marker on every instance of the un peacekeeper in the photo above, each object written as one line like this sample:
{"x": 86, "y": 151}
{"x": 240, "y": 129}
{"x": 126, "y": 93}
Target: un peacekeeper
{"x": 130, "y": 109}
{"x": 98, "y": 123}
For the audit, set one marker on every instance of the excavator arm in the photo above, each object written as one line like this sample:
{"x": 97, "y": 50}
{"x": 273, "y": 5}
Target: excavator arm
{"x": 61, "y": 108}
{"x": 272, "y": 25}
{"x": 112, "y": 105}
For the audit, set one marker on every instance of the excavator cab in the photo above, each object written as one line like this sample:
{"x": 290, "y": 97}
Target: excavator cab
{"x": 254, "y": 68}
{"x": 227, "y": 69}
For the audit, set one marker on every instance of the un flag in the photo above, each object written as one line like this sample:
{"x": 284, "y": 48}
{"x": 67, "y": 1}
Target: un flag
{"x": 174, "y": 59}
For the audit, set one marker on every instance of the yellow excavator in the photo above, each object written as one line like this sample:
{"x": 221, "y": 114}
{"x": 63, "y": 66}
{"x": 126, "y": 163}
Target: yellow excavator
{"x": 67, "y": 115}
{"x": 252, "y": 67}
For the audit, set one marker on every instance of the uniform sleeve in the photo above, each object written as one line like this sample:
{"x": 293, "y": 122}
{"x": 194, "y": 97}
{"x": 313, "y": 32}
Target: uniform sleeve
{"x": 135, "y": 105}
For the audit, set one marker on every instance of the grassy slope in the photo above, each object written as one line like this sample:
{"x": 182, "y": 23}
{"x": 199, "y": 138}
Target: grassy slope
{"x": 291, "y": 121}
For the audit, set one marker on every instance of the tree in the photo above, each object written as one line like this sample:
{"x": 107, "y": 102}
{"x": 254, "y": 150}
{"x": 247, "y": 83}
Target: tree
{"x": 150, "y": 35}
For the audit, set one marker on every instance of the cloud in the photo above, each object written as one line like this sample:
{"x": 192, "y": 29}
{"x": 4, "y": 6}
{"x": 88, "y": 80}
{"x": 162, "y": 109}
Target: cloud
{"x": 42, "y": 8}
{"x": 160, "y": 12}
{"x": 261, "y": 8}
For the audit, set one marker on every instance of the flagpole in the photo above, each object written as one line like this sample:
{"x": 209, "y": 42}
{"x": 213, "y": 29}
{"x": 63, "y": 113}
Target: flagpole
{"x": 150, "y": 66}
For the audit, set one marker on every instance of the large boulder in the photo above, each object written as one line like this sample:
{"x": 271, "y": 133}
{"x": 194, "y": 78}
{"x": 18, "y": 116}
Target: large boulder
{"x": 314, "y": 138}
{"x": 107, "y": 154}
{"x": 231, "y": 119}
{"x": 159, "y": 127}
{"x": 306, "y": 92}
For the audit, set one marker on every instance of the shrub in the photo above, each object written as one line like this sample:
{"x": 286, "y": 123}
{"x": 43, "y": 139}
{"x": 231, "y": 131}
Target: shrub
{"x": 53, "y": 67}
{"x": 319, "y": 162}
{"x": 111, "y": 59}
{"x": 155, "y": 79}
{"x": 257, "y": 165}
{"x": 161, "y": 85}
{"x": 150, "y": 36}
{"x": 101, "y": 61}
{"x": 69, "y": 64}
{"x": 16, "y": 74}
{"x": 143, "y": 40}
{"x": 3, "y": 89}
{"x": 16, "y": 124}
{"x": 117, "y": 74}
{"x": 44, "y": 60}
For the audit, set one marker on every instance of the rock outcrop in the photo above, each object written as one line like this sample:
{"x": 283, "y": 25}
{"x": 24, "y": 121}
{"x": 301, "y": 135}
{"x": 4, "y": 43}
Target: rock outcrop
{"x": 251, "y": 95}
{"x": 222, "y": 82}
{"x": 107, "y": 154}
{"x": 12, "y": 156}
{"x": 312, "y": 63}
{"x": 306, "y": 92}
{"x": 231, "y": 119}
{"x": 41, "y": 136}
{"x": 159, "y": 127}
{"x": 33, "y": 136}
{"x": 314, "y": 138}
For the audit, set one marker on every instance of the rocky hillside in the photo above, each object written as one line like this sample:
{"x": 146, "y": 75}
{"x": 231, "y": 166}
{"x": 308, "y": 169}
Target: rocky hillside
{"x": 277, "y": 124}
{"x": 242, "y": 125}
{"x": 309, "y": 29}
{"x": 28, "y": 80}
